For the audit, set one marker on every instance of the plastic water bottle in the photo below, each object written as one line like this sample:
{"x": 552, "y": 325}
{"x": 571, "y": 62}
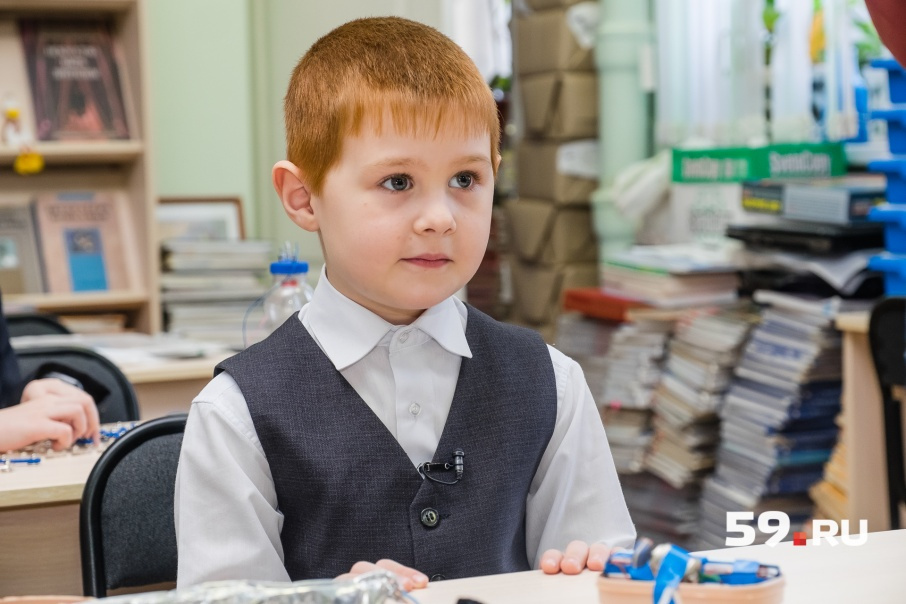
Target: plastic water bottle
{"x": 290, "y": 290}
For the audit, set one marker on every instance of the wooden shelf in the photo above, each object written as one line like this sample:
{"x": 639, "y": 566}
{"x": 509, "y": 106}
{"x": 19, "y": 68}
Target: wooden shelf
{"x": 67, "y": 6}
{"x": 76, "y": 302}
{"x": 81, "y": 153}
{"x": 123, "y": 166}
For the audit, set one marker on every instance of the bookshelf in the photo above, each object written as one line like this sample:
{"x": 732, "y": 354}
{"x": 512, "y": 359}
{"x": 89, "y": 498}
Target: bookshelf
{"x": 91, "y": 165}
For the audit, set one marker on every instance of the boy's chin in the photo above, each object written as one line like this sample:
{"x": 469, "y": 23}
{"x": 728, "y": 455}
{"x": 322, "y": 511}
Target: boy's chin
{"x": 424, "y": 300}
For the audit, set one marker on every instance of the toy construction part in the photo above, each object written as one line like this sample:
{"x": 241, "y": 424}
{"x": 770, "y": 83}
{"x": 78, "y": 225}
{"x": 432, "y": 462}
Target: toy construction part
{"x": 669, "y": 565}
{"x": 33, "y": 454}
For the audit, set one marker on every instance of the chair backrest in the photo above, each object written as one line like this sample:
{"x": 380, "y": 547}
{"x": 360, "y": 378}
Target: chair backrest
{"x": 114, "y": 395}
{"x": 34, "y": 324}
{"x": 887, "y": 339}
{"x": 126, "y": 530}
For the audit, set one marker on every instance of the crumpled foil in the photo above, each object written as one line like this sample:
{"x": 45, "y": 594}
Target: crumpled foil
{"x": 376, "y": 587}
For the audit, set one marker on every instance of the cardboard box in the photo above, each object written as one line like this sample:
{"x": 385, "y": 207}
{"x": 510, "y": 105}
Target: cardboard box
{"x": 561, "y": 105}
{"x": 568, "y": 35}
{"x": 545, "y": 233}
{"x": 561, "y": 172}
{"x": 548, "y": 331}
{"x": 538, "y": 289}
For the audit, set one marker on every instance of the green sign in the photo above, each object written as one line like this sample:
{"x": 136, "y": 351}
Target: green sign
{"x": 734, "y": 164}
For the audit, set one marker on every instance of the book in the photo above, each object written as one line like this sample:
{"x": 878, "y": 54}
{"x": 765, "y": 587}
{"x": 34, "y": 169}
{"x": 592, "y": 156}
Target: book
{"x": 86, "y": 241}
{"x": 20, "y": 268}
{"x": 75, "y": 79}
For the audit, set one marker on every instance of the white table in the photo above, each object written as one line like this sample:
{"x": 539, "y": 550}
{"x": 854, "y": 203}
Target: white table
{"x": 874, "y": 573}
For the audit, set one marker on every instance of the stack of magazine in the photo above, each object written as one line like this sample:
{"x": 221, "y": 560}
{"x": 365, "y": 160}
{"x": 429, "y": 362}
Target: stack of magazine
{"x": 208, "y": 287}
{"x": 631, "y": 370}
{"x": 686, "y": 402}
{"x": 778, "y": 420}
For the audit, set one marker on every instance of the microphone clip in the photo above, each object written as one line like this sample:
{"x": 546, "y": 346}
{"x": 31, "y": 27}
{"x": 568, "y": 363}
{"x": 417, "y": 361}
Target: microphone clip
{"x": 458, "y": 466}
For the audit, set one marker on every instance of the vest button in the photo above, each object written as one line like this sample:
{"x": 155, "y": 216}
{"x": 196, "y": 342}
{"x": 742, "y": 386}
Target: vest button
{"x": 438, "y": 577}
{"x": 430, "y": 517}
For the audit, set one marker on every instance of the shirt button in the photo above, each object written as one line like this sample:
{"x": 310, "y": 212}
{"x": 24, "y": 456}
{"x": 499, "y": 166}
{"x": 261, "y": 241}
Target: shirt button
{"x": 437, "y": 577}
{"x": 404, "y": 336}
{"x": 415, "y": 408}
{"x": 429, "y": 517}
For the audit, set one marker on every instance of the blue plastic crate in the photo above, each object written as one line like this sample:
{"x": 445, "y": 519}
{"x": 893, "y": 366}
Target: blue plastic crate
{"x": 894, "y": 218}
{"x": 896, "y": 77}
{"x": 896, "y": 127}
{"x": 893, "y": 266}
{"x": 895, "y": 171}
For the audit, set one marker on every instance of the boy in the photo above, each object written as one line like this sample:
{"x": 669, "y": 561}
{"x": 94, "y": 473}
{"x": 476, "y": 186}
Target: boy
{"x": 307, "y": 452}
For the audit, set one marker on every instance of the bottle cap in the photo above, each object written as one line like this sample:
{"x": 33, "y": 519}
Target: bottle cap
{"x": 289, "y": 267}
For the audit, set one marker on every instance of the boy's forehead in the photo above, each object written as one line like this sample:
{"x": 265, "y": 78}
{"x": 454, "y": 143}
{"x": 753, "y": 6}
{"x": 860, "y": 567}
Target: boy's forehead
{"x": 450, "y": 127}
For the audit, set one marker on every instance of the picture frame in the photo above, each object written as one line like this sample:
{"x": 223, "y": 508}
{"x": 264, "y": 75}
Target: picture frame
{"x": 200, "y": 219}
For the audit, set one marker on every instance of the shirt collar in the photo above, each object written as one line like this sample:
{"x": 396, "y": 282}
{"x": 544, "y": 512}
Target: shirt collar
{"x": 348, "y": 339}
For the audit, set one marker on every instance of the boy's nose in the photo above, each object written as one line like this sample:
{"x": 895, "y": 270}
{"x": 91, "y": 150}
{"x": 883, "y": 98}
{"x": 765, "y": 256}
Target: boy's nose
{"x": 436, "y": 215}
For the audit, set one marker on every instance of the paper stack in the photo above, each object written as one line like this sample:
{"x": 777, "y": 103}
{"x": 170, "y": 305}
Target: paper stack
{"x": 778, "y": 425}
{"x": 687, "y": 400}
{"x": 208, "y": 286}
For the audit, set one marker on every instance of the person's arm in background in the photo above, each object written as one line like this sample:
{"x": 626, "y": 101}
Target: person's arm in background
{"x": 47, "y": 409}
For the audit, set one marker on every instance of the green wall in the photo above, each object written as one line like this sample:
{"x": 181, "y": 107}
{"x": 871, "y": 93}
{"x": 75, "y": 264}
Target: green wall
{"x": 201, "y": 99}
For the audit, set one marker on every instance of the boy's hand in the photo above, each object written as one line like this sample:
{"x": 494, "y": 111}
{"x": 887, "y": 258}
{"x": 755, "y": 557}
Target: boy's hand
{"x": 577, "y": 557}
{"x": 409, "y": 577}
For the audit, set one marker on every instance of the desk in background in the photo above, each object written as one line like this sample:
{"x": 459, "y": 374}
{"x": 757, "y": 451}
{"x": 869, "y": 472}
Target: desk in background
{"x": 163, "y": 382}
{"x": 814, "y": 573}
{"x": 862, "y": 433}
{"x": 39, "y": 526}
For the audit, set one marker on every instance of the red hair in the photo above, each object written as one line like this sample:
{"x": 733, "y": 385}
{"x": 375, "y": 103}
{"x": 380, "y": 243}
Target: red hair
{"x": 368, "y": 68}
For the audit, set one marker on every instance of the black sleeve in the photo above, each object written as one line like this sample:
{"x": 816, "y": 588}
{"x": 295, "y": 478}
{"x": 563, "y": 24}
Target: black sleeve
{"x": 10, "y": 379}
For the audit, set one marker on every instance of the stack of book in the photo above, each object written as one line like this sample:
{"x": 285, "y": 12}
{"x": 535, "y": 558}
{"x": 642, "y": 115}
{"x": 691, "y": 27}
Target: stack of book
{"x": 208, "y": 287}
{"x": 673, "y": 276}
{"x": 660, "y": 511}
{"x": 623, "y": 384}
{"x": 687, "y": 401}
{"x": 778, "y": 420}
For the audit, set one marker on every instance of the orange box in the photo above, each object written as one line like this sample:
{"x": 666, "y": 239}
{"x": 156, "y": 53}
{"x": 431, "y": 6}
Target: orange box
{"x": 627, "y": 591}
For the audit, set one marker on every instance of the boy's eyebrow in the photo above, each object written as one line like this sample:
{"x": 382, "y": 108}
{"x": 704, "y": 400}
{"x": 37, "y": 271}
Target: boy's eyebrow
{"x": 404, "y": 162}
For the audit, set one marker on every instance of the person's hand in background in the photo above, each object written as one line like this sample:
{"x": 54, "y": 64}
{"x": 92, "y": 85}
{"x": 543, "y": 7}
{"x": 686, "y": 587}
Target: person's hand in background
{"x": 49, "y": 410}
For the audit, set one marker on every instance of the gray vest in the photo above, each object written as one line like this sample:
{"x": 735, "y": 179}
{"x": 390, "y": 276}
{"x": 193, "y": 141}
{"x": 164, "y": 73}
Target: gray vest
{"x": 349, "y": 492}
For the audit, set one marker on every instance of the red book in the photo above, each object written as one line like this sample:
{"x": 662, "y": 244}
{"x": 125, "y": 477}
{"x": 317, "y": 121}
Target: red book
{"x": 592, "y": 302}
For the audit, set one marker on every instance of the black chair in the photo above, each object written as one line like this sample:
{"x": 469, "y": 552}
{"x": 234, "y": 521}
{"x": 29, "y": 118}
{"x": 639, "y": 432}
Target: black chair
{"x": 98, "y": 375}
{"x": 34, "y": 324}
{"x": 126, "y": 530}
{"x": 887, "y": 339}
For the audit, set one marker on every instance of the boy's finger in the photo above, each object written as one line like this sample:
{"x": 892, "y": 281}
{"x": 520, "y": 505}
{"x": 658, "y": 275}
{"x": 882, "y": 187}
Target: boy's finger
{"x": 412, "y": 579}
{"x": 597, "y": 556}
{"x": 358, "y": 568}
{"x": 574, "y": 558}
{"x": 550, "y": 561}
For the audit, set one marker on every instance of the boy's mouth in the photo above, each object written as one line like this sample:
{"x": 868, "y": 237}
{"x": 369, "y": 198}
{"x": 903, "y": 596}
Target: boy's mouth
{"x": 428, "y": 260}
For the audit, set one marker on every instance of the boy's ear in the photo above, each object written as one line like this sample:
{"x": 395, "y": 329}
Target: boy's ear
{"x": 295, "y": 194}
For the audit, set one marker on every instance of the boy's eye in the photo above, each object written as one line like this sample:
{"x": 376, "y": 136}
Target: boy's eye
{"x": 463, "y": 180}
{"x": 397, "y": 182}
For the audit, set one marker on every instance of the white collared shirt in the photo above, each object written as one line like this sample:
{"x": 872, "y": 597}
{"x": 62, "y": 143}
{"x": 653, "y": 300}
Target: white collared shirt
{"x": 227, "y": 521}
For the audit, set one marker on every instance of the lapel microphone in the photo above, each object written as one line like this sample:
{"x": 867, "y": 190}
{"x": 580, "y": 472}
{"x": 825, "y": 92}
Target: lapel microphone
{"x": 458, "y": 467}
